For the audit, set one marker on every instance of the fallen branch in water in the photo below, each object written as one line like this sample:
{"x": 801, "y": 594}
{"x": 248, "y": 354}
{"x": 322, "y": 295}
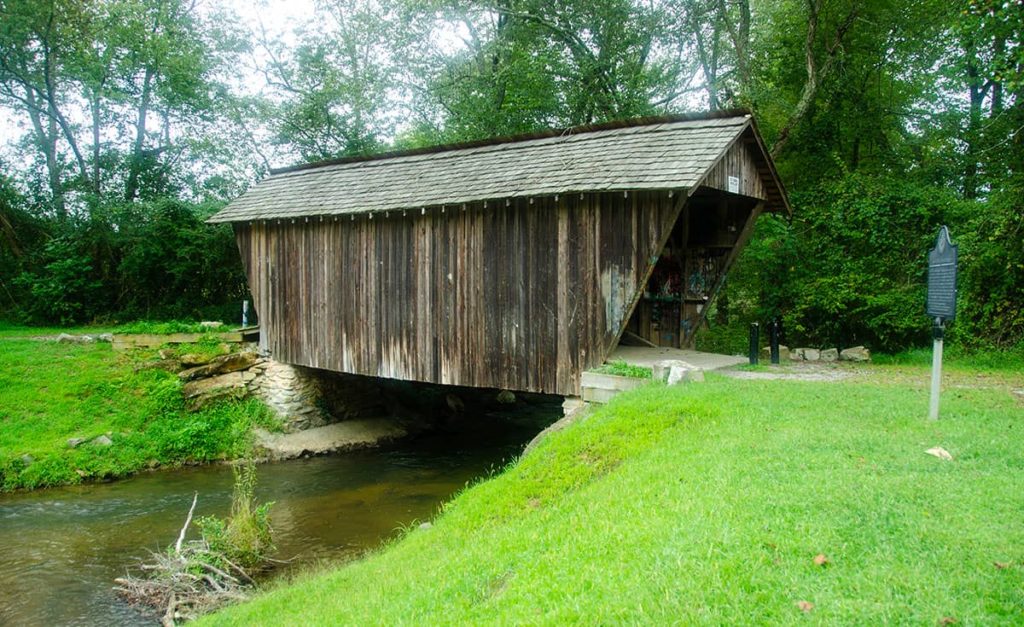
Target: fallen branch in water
{"x": 188, "y": 521}
{"x": 186, "y": 582}
{"x": 192, "y": 578}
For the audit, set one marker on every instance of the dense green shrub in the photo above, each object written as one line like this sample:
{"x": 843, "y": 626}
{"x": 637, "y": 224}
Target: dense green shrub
{"x": 156, "y": 260}
{"x": 851, "y": 267}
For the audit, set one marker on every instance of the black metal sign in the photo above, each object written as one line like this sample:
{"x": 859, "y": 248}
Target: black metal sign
{"x": 942, "y": 278}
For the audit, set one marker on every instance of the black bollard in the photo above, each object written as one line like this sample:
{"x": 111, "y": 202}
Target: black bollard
{"x": 755, "y": 341}
{"x": 773, "y": 341}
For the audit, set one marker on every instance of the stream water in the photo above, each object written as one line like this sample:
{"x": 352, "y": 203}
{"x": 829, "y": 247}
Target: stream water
{"x": 60, "y": 549}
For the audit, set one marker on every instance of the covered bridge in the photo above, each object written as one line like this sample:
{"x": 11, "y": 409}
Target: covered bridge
{"x": 515, "y": 263}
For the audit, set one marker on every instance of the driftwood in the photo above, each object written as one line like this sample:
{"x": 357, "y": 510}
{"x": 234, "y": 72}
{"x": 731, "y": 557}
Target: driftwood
{"x": 186, "y": 582}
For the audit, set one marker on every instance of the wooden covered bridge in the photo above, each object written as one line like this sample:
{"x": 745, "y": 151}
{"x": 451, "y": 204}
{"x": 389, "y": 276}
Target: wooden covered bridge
{"x": 516, "y": 263}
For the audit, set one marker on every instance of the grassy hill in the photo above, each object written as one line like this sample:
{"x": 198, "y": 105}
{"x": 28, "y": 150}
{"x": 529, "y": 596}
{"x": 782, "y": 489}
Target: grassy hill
{"x": 711, "y": 504}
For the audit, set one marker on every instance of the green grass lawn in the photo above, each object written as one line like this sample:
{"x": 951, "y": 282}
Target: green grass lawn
{"x": 708, "y": 503}
{"x": 52, "y": 392}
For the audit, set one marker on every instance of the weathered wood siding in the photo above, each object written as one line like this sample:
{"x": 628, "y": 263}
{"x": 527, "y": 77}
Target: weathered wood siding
{"x": 521, "y": 296}
{"x": 742, "y": 162}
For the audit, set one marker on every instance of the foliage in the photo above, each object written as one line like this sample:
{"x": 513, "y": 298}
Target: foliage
{"x": 856, "y": 257}
{"x": 54, "y": 392}
{"x": 708, "y": 504}
{"x": 885, "y": 118}
{"x": 151, "y": 260}
{"x": 623, "y": 369}
{"x": 163, "y": 328}
{"x": 246, "y": 537}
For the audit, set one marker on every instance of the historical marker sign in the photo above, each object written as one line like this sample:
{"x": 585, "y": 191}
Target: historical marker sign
{"x": 941, "y": 305}
{"x": 942, "y": 278}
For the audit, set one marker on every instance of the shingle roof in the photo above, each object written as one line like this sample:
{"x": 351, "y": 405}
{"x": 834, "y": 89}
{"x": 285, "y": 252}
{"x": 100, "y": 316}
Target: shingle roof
{"x": 650, "y": 156}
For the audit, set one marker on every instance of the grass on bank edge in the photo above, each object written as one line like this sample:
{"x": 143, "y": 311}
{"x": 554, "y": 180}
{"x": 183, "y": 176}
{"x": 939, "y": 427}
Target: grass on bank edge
{"x": 708, "y": 504}
{"x": 50, "y": 393}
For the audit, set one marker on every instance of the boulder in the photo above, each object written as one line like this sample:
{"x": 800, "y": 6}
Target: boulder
{"x": 506, "y": 397}
{"x": 75, "y": 442}
{"x": 811, "y": 354}
{"x": 683, "y": 372}
{"x": 455, "y": 403}
{"x": 105, "y": 337}
{"x": 857, "y": 353}
{"x": 661, "y": 370}
{"x": 830, "y": 354}
{"x": 221, "y": 365}
{"x": 796, "y": 354}
{"x": 101, "y": 440}
{"x": 27, "y": 459}
{"x": 200, "y": 393}
{"x": 67, "y": 338}
{"x": 191, "y": 360}
{"x": 766, "y": 353}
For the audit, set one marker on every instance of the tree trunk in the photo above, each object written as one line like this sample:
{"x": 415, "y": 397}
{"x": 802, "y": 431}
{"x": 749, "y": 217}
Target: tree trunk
{"x": 94, "y": 107}
{"x": 976, "y": 94}
{"x": 131, "y": 190}
{"x": 815, "y": 73}
{"x": 46, "y": 139}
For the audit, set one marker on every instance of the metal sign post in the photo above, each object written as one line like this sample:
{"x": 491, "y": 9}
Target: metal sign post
{"x": 942, "y": 266}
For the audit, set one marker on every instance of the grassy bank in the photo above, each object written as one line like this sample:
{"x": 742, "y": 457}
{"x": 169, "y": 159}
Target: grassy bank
{"x": 709, "y": 504}
{"x": 51, "y": 392}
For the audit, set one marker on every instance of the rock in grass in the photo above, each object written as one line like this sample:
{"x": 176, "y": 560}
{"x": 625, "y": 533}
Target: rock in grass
{"x": 857, "y": 353}
{"x": 191, "y": 360}
{"x": 662, "y": 369}
{"x": 27, "y": 459}
{"x": 426, "y": 525}
{"x": 830, "y": 354}
{"x": 940, "y": 452}
{"x": 75, "y": 442}
{"x": 101, "y": 440}
{"x": 766, "y": 352}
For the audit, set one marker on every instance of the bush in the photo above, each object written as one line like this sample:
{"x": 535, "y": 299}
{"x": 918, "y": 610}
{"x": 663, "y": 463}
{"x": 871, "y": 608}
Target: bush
{"x": 156, "y": 260}
{"x": 246, "y": 537}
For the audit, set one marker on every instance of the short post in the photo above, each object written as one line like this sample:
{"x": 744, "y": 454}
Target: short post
{"x": 245, "y": 313}
{"x": 938, "y": 332}
{"x": 755, "y": 342}
{"x": 773, "y": 341}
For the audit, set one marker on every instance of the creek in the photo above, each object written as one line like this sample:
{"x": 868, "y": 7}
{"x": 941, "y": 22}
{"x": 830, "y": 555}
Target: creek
{"x": 60, "y": 549}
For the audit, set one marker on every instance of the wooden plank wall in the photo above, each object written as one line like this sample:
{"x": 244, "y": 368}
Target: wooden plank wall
{"x": 739, "y": 161}
{"x": 520, "y": 296}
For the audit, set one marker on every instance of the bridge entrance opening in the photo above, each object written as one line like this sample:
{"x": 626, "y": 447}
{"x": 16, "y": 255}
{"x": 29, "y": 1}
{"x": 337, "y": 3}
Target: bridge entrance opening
{"x": 710, "y": 230}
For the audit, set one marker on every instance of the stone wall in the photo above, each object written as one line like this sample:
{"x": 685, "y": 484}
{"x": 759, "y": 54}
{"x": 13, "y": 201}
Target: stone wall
{"x": 292, "y": 393}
